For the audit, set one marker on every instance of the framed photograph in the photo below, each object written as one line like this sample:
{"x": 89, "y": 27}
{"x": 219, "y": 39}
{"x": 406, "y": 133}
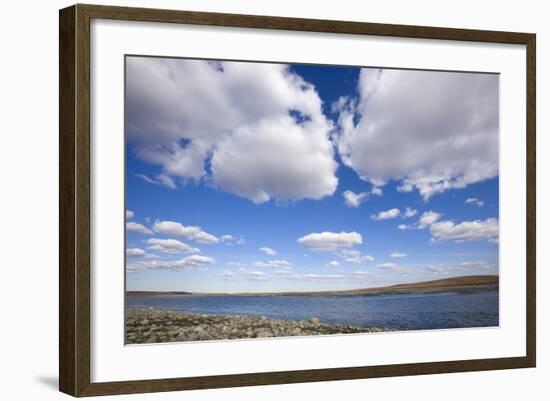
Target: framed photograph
{"x": 250, "y": 200}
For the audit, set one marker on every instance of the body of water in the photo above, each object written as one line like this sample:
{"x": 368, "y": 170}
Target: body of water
{"x": 452, "y": 309}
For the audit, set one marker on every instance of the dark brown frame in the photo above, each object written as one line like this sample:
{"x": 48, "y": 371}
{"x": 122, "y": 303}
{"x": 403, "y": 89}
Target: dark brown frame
{"x": 74, "y": 199}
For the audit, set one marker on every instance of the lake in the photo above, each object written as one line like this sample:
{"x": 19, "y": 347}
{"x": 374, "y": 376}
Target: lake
{"x": 437, "y": 310}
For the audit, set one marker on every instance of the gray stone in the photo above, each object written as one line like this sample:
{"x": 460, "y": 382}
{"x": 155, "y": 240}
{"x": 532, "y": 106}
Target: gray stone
{"x": 314, "y": 320}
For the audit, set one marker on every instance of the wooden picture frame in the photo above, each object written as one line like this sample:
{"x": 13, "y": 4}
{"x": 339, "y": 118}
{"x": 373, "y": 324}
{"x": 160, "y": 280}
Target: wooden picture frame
{"x": 75, "y": 200}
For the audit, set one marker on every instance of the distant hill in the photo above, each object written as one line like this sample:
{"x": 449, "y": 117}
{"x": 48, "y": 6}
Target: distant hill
{"x": 456, "y": 283}
{"x": 153, "y": 293}
{"x": 450, "y": 282}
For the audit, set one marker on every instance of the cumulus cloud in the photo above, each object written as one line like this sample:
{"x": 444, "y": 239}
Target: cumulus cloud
{"x": 377, "y": 191}
{"x": 281, "y": 264}
{"x": 259, "y": 127}
{"x": 476, "y": 230}
{"x": 358, "y": 259}
{"x": 137, "y": 228}
{"x": 129, "y": 214}
{"x": 231, "y": 240}
{"x": 238, "y": 264}
{"x": 135, "y": 253}
{"x": 387, "y": 265}
{"x": 474, "y": 202}
{"x": 398, "y": 255}
{"x": 316, "y": 277}
{"x": 333, "y": 263}
{"x": 360, "y": 274}
{"x": 430, "y": 131}
{"x": 386, "y": 214}
{"x": 476, "y": 264}
{"x": 330, "y": 241}
{"x": 353, "y": 199}
{"x": 181, "y": 264}
{"x": 268, "y": 251}
{"x": 409, "y": 212}
{"x": 468, "y": 267}
{"x": 170, "y": 246}
{"x": 403, "y": 227}
{"x": 252, "y": 275}
{"x": 193, "y": 233}
{"x": 428, "y": 218}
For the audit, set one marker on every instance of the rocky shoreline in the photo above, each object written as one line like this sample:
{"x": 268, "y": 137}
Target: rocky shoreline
{"x": 157, "y": 326}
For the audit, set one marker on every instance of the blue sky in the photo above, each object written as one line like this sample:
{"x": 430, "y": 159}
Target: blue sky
{"x": 262, "y": 177}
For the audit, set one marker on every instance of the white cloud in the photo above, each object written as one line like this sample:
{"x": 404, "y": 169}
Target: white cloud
{"x": 428, "y": 218}
{"x": 330, "y": 241}
{"x": 359, "y": 259}
{"x": 170, "y": 246}
{"x": 231, "y": 240}
{"x": 129, "y": 214}
{"x": 238, "y": 264}
{"x": 409, "y": 212}
{"x": 386, "y": 214}
{"x": 260, "y": 127}
{"x": 476, "y": 264}
{"x": 316, "y": 277}
{"x": 227, "y": 274}
{"x": 474, "y": 201}
{"x": 333, "y": 263}
{"x": 361, "y": 274}
{"x": 405, "y": 187}
{"x": 476, "y": 230}
{"x": 252, "y": 275}
{"x": 354, "y": 200}
{"x": 281, "y": 264}
{"x": 161, "y": 179}
{"x": 403, "y": 227}
{"x": 268, "y": 251}
{"x": 398, "y": 255}
{"x": 468, "y": 267}
{"x": 135, "y": 253}
{"x": 348, "y": 252}
{"x": 137, "y": 228}
{"x": 193, "y": 233}
{"x": 377, "y": 191}
{"x": 388, "y": 265}
{"x": 430, "y": 131}
{"x": 187, "y": 262}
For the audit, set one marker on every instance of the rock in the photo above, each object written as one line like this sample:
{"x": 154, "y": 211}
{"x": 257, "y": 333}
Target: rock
{"x": 314, "y": 320}
{"x": 153, "y": 326}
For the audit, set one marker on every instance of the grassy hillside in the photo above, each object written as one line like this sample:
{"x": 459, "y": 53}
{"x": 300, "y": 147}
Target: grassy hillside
{"x": 462, "y": 282}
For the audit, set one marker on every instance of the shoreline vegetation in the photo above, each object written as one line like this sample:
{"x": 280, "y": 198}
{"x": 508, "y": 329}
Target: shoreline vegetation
{"x": 453, "y": 283}
{"x": 150, "y": 325}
